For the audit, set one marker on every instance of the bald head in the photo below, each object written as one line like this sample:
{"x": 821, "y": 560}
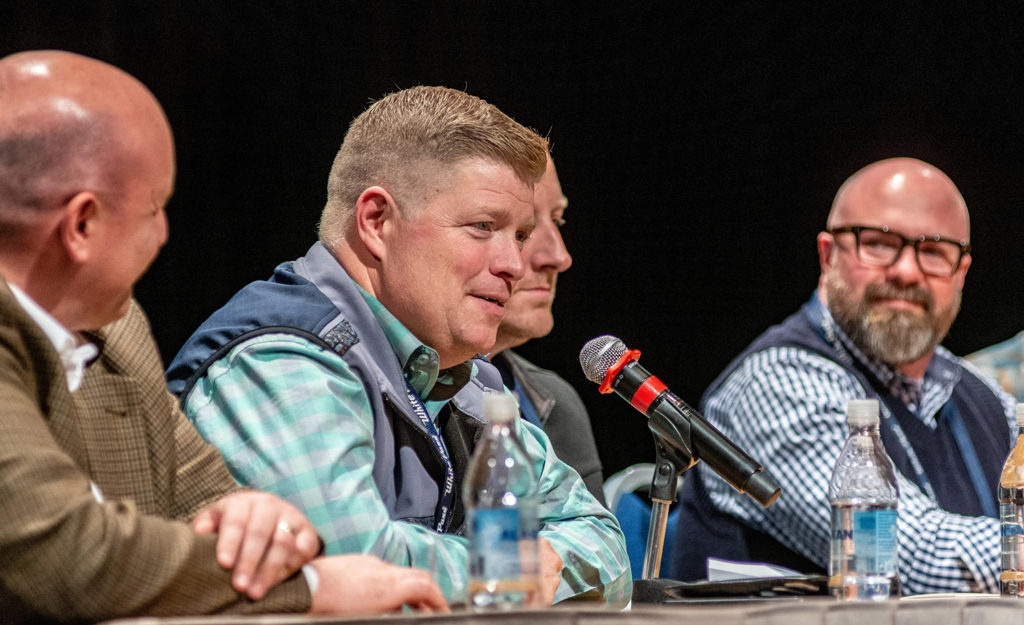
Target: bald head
{"x": 894, "y": 259}
{"x": 67, "y": 123}
{"x": 908, "y": 187}
{"x": 86, "y": 168}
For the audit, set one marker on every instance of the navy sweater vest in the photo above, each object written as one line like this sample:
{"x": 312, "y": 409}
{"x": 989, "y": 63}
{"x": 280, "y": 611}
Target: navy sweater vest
{"x": 704, "y": 531}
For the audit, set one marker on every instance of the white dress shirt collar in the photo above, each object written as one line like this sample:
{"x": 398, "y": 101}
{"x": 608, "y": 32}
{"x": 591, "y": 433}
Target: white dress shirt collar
{"x": 74, "y": 354}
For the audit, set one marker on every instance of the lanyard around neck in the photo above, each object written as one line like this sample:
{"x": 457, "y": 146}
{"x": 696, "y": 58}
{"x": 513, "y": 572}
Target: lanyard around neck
{"x": 443, "y": 516}
{"x": 825, "y": 329}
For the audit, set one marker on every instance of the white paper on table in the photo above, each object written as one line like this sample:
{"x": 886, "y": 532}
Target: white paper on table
{"x": 723, "y": 570}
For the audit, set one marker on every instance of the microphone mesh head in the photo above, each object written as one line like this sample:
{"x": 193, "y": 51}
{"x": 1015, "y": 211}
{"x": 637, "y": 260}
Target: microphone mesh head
{"x": 599, "y": 354}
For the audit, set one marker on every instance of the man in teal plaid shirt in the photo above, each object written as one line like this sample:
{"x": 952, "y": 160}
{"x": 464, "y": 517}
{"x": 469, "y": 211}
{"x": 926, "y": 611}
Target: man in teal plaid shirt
{"x": 350, "y": 383}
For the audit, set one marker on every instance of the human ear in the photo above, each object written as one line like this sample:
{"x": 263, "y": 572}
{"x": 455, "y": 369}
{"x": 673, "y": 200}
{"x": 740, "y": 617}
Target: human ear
{"x": 78, "y": 228}
{"x": 961, "y": 272}
{"x": 375, "y": 209}
{"x": 826, "y": 248}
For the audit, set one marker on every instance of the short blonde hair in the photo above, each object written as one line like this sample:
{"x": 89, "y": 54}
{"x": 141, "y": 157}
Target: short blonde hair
{"x": 403, "y": 140}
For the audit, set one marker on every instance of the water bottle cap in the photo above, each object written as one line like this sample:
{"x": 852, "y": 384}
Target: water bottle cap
{"x": 1019, "y": 411}
{"x": 862, "y": 412}
{"x": 499, "y": 407}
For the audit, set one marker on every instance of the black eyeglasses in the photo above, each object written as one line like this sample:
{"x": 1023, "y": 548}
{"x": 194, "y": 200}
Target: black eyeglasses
{"x": 936, "y": 256}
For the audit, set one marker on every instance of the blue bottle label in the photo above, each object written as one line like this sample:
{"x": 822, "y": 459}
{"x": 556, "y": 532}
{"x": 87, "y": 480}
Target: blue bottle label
{"x": 495, "y": 533}
{"x": 874, "y": 540}
{"x": 1010, "y": 529}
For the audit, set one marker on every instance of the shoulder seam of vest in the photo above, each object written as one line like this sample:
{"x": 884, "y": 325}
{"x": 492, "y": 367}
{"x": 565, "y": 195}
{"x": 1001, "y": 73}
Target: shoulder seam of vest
{"x": 245, "y": 336}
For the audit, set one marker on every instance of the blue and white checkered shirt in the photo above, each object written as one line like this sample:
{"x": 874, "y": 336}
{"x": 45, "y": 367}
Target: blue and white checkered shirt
{"x": 787, "y": 407}
{"x": 292, "y": 418}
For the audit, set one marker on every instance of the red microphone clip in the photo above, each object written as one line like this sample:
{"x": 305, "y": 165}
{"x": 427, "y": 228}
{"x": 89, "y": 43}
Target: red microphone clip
{"x": 626, "y": 358}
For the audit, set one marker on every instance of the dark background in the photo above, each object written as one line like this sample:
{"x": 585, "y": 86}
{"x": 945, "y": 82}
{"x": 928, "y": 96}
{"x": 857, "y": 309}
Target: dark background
{"x": 700, "y": 144}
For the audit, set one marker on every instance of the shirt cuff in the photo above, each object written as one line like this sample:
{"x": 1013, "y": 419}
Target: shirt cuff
{"x": 312, "y": 578}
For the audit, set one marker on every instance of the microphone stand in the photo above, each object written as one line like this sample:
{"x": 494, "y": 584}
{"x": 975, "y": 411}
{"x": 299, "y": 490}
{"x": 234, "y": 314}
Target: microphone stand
{"x": 673, "y": 457}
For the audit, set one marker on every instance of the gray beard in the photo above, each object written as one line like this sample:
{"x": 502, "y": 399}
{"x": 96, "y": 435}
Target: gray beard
{"x": 891, "y": 336}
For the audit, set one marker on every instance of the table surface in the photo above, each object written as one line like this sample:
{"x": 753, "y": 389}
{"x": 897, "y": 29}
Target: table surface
{"x": 961, "y": 609}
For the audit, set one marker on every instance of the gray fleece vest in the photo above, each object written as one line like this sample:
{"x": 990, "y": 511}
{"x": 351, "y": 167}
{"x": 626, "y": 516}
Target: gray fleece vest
{"x": 313, "y": 297}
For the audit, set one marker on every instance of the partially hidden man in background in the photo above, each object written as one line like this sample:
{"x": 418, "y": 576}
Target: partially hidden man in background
{"x": 1003, "y": 362}
{"x": 893, "y": 262}
{"x": 100, "y": 473}
{"x": 545, "y": 399}
{"x": 349, "y": 381}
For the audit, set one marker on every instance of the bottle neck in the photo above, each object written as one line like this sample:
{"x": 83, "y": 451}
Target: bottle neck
{"x": 868, "y": 430}
{"x": 498, "y": 426}
{"x": 864, "y": 437}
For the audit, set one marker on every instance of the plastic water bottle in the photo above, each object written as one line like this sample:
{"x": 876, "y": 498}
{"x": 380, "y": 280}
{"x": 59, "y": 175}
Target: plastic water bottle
{"x": 863, "y": 496}
{"x": 1011, "y": 516}
{"x": 501, "y": 513}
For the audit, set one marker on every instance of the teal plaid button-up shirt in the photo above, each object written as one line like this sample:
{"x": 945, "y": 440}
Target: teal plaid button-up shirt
{"x": 292, "y": 418}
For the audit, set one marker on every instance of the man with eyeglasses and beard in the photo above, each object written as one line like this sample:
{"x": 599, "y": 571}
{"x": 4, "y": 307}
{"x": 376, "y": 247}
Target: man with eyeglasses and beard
{"x": 893, "y": 261}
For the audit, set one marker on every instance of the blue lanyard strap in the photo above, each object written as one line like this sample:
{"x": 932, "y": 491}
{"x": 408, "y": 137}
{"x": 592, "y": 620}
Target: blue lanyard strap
{"x": 956, "y": 425}
{"x": 986, "y": 498}
{"x": 443, "y": 516}
{"x": 526, "y": 407}
{"x": 827, "y": 332}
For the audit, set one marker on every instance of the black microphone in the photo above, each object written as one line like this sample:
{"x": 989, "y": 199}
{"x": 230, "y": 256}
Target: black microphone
{"x": 607, "y": 361}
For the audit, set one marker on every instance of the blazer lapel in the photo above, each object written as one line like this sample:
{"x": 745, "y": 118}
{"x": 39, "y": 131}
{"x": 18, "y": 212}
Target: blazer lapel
{"x": 114, "y": 430}
{"x": 51, "y": 387}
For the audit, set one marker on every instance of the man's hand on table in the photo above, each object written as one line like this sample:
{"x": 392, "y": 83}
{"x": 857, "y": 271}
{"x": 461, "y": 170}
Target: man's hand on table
{"x": 262, "y": 538}
{"x": 361, "y": 584}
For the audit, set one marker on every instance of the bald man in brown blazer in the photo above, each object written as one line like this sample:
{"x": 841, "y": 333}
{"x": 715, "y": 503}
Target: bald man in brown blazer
{"x": 111, "y": 503}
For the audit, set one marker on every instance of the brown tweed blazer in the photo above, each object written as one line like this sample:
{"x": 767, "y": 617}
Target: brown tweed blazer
{"x": 65, "y": 556}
